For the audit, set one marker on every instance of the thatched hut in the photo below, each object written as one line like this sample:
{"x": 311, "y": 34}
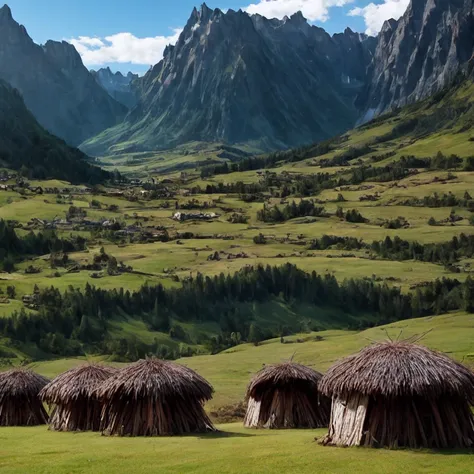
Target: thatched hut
{"x": 400, "y": 394}
{"x": 76, "y": 407}
{"x": 154, "y": 397}
{"x": 286, "y": 396}
{"x": 20, "y": 404}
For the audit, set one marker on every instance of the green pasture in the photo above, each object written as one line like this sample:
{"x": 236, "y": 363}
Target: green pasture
{"x": 232, "y": 450}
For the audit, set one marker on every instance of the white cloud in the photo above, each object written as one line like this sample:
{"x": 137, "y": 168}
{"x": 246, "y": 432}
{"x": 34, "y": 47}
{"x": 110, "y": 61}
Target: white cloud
{"x": 375, "y": 15}
{"x": 312, "y": 9}
{"x": 123, "y": 48}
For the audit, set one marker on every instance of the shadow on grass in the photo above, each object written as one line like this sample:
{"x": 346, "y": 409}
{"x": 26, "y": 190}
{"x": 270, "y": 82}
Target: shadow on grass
{"x": 222, "y": 434}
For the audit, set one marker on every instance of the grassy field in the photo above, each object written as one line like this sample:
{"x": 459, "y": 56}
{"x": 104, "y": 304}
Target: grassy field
{"x": 232, "y": 450}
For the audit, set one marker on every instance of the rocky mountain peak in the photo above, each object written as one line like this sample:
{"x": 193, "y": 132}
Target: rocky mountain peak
{"x": 64, "y": 54}
{"x": 205, "y": 13}
{"x": 298, "y": 18}
{"x": 5, "y": 13}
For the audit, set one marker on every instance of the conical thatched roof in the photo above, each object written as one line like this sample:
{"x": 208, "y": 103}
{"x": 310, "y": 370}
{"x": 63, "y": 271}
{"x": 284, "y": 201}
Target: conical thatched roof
{"x": 76, "y": 383}
{"x": 282, "y": 374}
{"x": 21, "y": 383}
{"x": 395, "y": 369}
{"x": 156, "y": 378}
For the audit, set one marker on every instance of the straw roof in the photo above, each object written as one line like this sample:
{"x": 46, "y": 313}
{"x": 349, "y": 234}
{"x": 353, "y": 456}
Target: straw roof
{"x": 282, "y": 374}
{"x": 156, "y": 378}
{"x": 76, "y": 383}
{"x": 394, "y": 369}
{"x": 21, "y": 383}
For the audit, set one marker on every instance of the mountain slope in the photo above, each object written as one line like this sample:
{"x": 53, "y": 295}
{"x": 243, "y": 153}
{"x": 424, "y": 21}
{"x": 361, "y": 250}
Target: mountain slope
{"x": 57, "y": 88}
{"x": 25, "y": 145}
{"x": 117, "y": 85}
{"x": 238, "y": 78}
{"x": 419, "y": 54}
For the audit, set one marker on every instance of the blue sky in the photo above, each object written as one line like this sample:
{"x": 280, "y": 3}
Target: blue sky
{"x": 131, "y": 35}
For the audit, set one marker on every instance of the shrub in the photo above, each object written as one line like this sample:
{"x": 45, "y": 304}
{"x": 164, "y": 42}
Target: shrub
{"x": 260, "y": 239}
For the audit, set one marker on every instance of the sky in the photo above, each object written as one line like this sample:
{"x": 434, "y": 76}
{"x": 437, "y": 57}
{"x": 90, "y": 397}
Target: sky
{"x": 130, "y": 35}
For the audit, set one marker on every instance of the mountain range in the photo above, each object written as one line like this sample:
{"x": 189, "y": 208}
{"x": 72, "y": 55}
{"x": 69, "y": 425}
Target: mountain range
{"x": 58, "y": 89}
{"x": 241, "y": 79}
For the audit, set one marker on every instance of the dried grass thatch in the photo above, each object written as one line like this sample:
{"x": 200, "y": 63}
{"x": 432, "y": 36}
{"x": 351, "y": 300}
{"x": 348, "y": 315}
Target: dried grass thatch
{"x": 400, "y": 394}
{"x": 20, "y": 404}
{"x": 154, "y": 397}
{"x": 76, "y": 407}
{"x": 286, "y": 396}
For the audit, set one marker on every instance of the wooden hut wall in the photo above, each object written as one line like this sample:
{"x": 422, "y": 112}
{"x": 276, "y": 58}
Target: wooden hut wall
{"x": 287, "y": 408}
{"x": 22, "y": 411}
{"x": 347, "y": 420}
{"x": 78, "y": 415}
{"x": 154, "y": 417}
{"x": 412, "y": 422}
{"x": 252, "y": 416}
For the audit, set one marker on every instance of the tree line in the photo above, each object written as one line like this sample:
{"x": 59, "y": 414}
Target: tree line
{"x": 69, "y": 323}
{"x": 445, "y": 253}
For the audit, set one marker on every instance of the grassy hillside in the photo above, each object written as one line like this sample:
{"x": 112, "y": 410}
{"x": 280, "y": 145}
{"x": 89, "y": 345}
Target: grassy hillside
{"x": 230, "y": 371}
{"x": 27, "y": 147}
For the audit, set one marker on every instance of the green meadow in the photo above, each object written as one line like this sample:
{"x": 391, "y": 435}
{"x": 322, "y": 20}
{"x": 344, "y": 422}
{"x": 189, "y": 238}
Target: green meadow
{"x": 232, "y": 450}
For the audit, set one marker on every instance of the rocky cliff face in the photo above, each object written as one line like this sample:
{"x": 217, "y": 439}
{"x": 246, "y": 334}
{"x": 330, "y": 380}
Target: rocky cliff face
{"x": 238, "y": 78}
{"x": 56, "y": 87}
{"x": 117, "y": 85}
{"x": 420, "y": 53}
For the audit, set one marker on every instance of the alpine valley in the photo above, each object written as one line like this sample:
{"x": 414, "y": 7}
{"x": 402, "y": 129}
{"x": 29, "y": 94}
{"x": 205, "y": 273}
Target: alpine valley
{"x": 266, "y": 192}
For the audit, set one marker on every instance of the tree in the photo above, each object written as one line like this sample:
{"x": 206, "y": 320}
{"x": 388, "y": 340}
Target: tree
{"x": 112, "y": 266}
{"x": 8, "y": 264}
{"x": 160, "y": 318}
{"x": 468, "y": 295}
{"x": 11, "y": 292}
{"x": 255, "y": 334}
